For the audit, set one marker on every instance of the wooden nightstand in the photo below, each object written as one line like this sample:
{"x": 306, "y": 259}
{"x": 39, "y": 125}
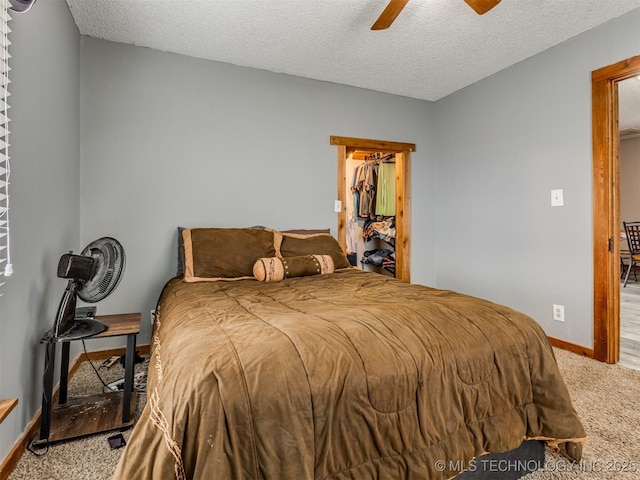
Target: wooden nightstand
{"x": 6, "y": 406}
{"x": 72, "y": 418}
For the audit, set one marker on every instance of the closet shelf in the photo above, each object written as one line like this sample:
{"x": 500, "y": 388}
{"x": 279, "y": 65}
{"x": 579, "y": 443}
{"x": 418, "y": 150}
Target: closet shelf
{"x": 389, "y": 240}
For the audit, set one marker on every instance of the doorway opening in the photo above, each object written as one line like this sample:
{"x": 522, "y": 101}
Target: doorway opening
{"x": 347, "y": 148}
{"x": 606, "y": 206}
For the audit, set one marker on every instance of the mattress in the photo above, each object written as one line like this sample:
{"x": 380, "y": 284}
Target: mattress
{"x": 349, "y": 375}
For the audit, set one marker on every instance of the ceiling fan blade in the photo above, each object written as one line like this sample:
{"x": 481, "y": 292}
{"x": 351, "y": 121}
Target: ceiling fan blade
{"x": 482, "y": 6}
{"x": 389, "y": 14}
{"x": 21, "y": 6}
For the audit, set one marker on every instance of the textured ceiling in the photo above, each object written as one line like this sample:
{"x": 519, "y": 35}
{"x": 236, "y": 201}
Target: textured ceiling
{"x": 434, "y": 47}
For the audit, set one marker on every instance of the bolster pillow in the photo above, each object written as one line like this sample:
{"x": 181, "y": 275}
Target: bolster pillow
{"x": 274, "y": 269}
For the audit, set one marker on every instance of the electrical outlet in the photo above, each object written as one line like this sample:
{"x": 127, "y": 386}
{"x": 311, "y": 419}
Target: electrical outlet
{"x": 558, "y": 313}
{"x": 152, "y": 316}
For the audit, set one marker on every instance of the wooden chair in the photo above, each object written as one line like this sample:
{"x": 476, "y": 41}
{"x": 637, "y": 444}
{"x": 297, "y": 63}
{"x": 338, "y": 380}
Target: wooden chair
{"x": 632, "y": 230}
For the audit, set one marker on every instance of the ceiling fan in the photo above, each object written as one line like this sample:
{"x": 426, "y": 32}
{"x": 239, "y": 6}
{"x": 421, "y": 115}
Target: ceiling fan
{"x": 394, "y": 8}
{"x": 21, "y": 6}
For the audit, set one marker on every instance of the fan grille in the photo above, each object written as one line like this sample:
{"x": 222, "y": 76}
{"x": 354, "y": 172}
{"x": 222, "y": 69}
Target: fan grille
{"x": 109, "y": 258}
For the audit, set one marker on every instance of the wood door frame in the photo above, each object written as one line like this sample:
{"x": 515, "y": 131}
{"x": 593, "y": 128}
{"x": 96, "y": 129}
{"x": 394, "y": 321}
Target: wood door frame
{"x": 606, "y": 206}
{"x": 348, "y": 145}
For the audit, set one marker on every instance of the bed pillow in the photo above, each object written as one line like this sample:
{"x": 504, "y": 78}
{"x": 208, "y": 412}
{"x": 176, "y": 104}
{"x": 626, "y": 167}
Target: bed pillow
{"x": 180, "y": 270}
{"x": 212, "y": 254}
{"x": 274, "y": 269}
{"x": 295, "y": 245}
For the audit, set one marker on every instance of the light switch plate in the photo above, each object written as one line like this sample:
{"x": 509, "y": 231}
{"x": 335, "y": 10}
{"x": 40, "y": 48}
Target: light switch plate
{"x": 337, "y": 207}
{"x": 557, "y": 198}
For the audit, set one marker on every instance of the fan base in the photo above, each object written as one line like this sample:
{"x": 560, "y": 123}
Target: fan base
{"x": 80, "y": 329}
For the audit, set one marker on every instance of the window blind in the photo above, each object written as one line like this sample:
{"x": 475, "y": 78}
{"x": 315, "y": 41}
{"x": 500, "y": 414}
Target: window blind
{"x": 6, "y": 268}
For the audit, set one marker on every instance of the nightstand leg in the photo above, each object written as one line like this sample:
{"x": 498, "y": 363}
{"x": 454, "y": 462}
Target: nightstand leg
{"x": 64, "y": 373}
{"x": 129, "y": 362}
{"x": 47, "y": 390}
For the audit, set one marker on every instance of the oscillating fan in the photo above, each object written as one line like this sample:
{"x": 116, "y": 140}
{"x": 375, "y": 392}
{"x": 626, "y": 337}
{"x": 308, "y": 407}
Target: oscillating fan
{"x": 92, "y": 275}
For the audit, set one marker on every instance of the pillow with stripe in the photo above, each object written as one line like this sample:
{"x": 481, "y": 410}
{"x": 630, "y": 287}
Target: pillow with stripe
{"x": 274, "y": 269}
{"x": 212, "y": 254}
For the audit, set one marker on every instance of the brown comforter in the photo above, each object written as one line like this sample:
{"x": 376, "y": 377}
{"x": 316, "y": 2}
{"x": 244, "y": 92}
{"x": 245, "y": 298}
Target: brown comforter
{"x": 351, "y": 375}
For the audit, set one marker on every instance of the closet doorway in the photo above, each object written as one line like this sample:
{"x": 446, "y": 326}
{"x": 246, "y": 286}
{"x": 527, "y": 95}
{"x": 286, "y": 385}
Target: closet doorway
{"x": 360, "y": 148}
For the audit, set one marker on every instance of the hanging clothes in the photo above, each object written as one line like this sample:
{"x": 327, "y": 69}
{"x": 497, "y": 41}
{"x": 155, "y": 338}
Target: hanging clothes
{"x": 374, "y": 187}
{"x": 353, "y": 209}
{"x": 364, "y": 185}
{"x": 386, "y": 190}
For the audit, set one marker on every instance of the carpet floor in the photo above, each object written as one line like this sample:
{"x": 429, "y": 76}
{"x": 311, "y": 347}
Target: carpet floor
{"x": 87, "y": 458}
{"x": 607, "y": 398}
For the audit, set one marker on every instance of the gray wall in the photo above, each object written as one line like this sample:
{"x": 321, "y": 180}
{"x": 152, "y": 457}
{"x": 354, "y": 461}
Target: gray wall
{"x": 172, "y": 141}
{"x": 629, "y": 182}
{"x": 45, "y": 151}
{"x": 502, "y": 145}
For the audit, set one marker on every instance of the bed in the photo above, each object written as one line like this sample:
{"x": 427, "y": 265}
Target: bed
{"x": 273, "y": 359}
